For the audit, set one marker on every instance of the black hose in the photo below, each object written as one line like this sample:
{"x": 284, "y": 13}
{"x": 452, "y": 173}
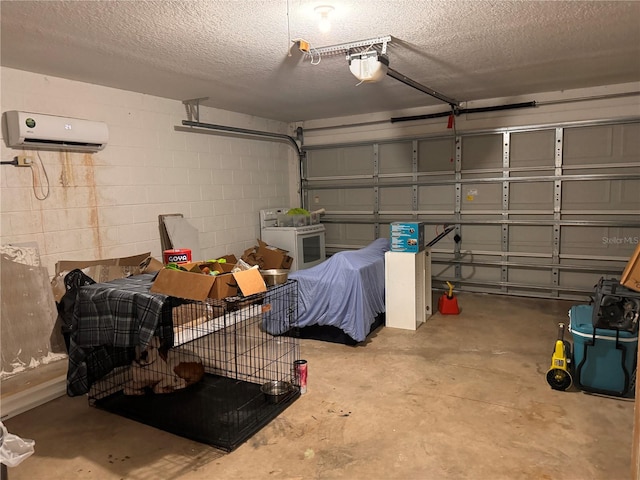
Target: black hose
{"x": 461, "y": 111}
{"x": 446, "y": 232}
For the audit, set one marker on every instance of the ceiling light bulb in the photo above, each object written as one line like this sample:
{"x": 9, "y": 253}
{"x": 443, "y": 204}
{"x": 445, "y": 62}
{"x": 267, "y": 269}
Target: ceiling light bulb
{"x": 324, "y": 10}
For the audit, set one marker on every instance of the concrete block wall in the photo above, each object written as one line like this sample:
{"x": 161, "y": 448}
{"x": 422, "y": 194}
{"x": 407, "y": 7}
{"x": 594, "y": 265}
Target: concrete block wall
{"x": 107, "y": 204}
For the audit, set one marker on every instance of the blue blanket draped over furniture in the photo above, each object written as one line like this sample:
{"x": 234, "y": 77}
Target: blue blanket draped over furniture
{"x": 345, "y": 291}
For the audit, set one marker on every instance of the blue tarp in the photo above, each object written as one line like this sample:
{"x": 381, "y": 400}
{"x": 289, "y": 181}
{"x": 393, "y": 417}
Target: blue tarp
{"x": 345, "y": 291}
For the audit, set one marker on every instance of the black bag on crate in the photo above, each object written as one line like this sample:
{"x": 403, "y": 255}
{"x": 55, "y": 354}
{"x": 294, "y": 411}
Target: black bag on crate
{"x": 72, "y": 281}
{"x": 615, "y": 306}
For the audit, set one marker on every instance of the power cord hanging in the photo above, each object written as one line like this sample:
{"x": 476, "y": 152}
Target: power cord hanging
{"x": 43, "y": 195}
{"x": 311, "y": 53}
{"x": 25, "y": 161}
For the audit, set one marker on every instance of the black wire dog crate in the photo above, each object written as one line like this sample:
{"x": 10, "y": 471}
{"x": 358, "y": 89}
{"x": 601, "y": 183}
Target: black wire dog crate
{"x": 225, "y": 375}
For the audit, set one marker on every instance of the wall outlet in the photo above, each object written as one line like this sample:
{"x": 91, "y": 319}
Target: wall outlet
{"x": 24, "y": 161}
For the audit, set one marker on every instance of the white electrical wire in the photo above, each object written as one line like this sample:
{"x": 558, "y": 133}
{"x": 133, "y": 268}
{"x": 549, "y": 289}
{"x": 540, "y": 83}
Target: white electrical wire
{"x": 367, "y": 49}
{"x": 33, "y": 177}
{"x": 289, "y": 30}
{"x": 311, "y": 49}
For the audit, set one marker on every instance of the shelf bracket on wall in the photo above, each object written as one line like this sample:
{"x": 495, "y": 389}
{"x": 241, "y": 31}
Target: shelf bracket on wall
{"x": 193, "y": 108}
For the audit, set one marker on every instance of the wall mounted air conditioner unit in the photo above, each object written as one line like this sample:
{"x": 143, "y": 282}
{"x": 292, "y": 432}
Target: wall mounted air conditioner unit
{"x": 49, "y": 132}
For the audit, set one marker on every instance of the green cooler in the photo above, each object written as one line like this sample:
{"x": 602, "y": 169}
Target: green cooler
{"x": 604, "y": 360}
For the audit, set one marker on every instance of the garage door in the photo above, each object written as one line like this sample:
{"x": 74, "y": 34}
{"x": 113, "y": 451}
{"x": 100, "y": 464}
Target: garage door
{"x": 542, "y": 211}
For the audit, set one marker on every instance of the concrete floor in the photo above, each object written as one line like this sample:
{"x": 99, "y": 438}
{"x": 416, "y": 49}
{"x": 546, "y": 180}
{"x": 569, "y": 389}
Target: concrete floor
{"x": 462, "y": 397}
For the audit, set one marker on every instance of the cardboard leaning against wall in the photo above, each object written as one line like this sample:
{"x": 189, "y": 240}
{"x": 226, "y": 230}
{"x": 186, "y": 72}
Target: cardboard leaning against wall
{"x": 103, "y": 270}
{"x": 631, "y": 275}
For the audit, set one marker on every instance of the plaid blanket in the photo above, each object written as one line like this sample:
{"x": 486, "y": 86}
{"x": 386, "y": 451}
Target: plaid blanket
{"x": 109, "y": 320}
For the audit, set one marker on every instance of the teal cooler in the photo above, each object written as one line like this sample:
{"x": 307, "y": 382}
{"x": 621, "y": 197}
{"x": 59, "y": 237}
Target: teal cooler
{"x": 604, "y": 360}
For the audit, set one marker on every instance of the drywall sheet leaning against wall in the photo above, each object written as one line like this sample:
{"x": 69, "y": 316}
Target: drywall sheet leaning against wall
{"x": 29, "y": 314}
{"x": 183, "y": 235}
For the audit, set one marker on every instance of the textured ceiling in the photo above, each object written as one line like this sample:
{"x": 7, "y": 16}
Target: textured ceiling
{"x": 235, "y": 52}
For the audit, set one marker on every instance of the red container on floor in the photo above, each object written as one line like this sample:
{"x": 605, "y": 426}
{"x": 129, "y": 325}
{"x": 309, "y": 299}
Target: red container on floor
{"x": 177, "y": 255}
{"x": 448, "y": 305}
{"x": 300, "y": 372}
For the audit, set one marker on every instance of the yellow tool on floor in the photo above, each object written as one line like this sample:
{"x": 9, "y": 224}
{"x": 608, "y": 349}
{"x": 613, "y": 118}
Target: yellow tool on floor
{"x": 558, "y": 376}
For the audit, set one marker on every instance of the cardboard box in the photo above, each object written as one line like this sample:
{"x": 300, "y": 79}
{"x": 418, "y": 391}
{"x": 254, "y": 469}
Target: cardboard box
{"x": 273, "y": 257}
{"x": 631, "y": 275}
{"x": 133, "y": 261}
{"x": 250, "y": 257}
{"x": 198, "y": 267}
{"x": 103, "y": 270}
{"x": 229, "y": 258}
{"x": 286, "y": 262}
{"x": 266, "y": 257}
{"x": 151, "y": 265}
{"x": 250, "y": 282}
{"x": 407, "y": 237}
{"x": 199, "y": 287}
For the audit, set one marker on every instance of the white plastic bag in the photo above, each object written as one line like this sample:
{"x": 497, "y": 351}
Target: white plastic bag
{"x": 13, "y": 449}
{"x": 240, "y": 266}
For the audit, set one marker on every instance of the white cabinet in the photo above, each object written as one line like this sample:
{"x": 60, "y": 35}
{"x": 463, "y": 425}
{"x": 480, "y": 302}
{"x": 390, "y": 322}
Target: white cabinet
{"x": 407, "y": 289}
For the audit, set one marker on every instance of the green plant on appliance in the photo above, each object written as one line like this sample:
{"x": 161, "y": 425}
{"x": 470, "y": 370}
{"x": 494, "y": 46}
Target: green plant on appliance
{"x": 298, "y": 211}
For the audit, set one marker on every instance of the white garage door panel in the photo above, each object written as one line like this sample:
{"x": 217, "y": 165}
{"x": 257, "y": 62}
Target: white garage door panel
{"x": 334, "y": 233}
{"x": 524, "y": 276}
{"x": 322, "y": 163}
{"x": 581, "y": 280}
{"x": 359, "y": 199}
{"x": 630, "y": 142}
{"x": 348, "y": 235}
{"x": 585, "y": 241}
{"x": 480, "y": 237}
{"x": 533, "y": 239}
{"x": 585, "y": 195}
{"x": 440, "y": 270}
{"x": 336, "y": 200}
{"x": 395, "y": 198}
{"x": 329, "y": 199}
{"x": 395, "y": 158}
{"x": 359, "y": 234}
{"x": 629, "y": 194}
{"x": 433, "y": 197}
{"x": 340, "y": 161}
{"x": 531, "y": 196}
{"x": 481, "y": 196}
{"x": 588, "y": 145}
{"x": 482, "y": 151}
{"x": 478, "y": 273}
{"x": 620, "y": 242}
{"x": 532, "y": 149}
{"x": 601, "y": 195}
{"x": 436, "y": 155}
{"x": 495, "y": 191}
